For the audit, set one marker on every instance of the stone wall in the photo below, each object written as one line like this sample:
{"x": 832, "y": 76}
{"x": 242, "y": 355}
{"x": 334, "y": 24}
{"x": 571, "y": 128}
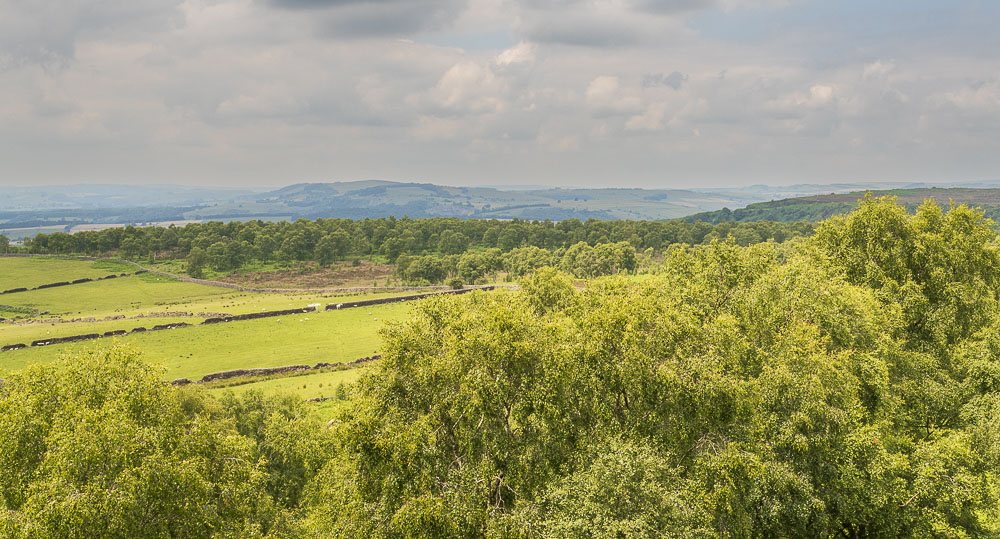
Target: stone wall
{"x": 396, "y": 299}
{"x": 71, "y": 338}
{"x": 254, "y": 316}
{"x": 241, "y": 317}
{"x": 269, "y": 371}
{"x": 68, "y": 283}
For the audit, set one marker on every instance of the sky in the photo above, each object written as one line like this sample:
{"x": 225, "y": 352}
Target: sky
{"x": 590, "y": 93}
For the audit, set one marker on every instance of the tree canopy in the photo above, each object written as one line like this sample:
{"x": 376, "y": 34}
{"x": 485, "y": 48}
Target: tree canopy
{"x": 840, "y": 386}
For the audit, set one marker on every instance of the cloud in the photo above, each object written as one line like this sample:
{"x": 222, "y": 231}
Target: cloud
{"x": 274, "y": 91}
{"x": 650, "y": 120}
{"x": 522, "y": 53}
{"x": 32, "y": 32}
{"x": 605, "y": 97}
{"x": 878, "y": 69}
{"x": 375, "y": 18}
{"x": 468, "y": 87}
{"x": 674, "y": 80}
{"x": 674, "y": 7}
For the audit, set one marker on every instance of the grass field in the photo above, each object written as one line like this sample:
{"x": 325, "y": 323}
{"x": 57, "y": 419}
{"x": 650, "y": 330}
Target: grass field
{"x": 192, "y": 352}
{"x": 25, "y": 333}
{"x": 16, "y": 272}
{"x": 307, "y": 386}
{"x": 125, "y": 295}
{"x": 147, "y": 293}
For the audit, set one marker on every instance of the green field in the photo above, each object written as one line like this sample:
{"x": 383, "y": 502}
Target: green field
{"x": 308, "y": 386}
{"x": 192, "y": 352}
{"x": 25, "y": 333}
{"x": 126, "y": 295}
{"x": 310, "y": 338}
{"x": 146, "y": 293}
{"x": 17, "y": 272}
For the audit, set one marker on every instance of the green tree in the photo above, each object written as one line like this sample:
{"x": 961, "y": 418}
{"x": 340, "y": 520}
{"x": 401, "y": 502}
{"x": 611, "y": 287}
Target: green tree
{"x": 452, "y": 243}
{"x": 97, "y": 446}
{"x": 196, "y": 261}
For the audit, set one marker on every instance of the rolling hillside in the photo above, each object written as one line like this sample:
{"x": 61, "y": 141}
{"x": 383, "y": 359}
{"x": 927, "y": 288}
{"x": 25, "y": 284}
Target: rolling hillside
{"x": 417, "y": 200}
{"x": 819, "y": 207}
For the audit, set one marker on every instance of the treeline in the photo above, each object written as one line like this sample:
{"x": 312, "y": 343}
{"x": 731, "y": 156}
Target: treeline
{"x": 581, "y": 260}
{"x": 229, "y": 246}
{"x": 817, "y": 208}
{"x": 782, "y": 211}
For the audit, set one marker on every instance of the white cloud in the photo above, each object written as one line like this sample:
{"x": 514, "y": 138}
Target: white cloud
{"x": 650, "y": 120}
{"x": 605, "y": 97}
{"x": 878, "y": 69}
{"x": 519, "y": 54}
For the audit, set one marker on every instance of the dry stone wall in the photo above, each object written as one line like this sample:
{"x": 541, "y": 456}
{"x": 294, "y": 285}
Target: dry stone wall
{"x": 396, "y": 299}
{"x": 240, "y": 317}
{"x": 67, "y": 283}
{"x": 270, "y": 371}
{"x": 254, "y": 316}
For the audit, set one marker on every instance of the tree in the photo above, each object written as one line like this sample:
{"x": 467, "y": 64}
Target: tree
{"x": 196, "y": 261}
{"x": 331, "y": 247}
{"x": 217, "y": 257}
{"x": 4, "y": 243}
{"x": 452, "y": 243}
{"x": 524, "y": 260}
{"x": 97, "y": 446}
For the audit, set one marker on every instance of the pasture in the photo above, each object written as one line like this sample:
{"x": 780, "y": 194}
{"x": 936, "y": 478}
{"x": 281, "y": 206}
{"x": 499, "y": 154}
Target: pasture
{"x": 192, "y": 352}
{"x": 139, "y": 294}
{"x": 129, "y": 296}
{"x": 307, "y": 385}
{"x": 147, "y": 300}
{"x": 29, "y": 272}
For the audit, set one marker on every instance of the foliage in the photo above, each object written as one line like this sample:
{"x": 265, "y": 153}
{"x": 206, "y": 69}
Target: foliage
{"x": 98, "y": 446}
{"x": 807, "y": 390}
{"x": 230, "y": 246}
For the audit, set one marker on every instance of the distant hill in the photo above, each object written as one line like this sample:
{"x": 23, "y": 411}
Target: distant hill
{"x": 108, "y": 196}
{"x": 416, "y": 200}
{"x": 819, "y": 207}
{"x": 25, "y": 211}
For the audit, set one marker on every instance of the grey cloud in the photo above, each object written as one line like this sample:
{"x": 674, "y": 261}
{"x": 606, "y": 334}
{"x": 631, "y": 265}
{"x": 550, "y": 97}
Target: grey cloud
{"x": 48, "y": 31}
{"x": 318, "y": 4}
{"x": 674, "y": 80}
{"x": 589, "y": 35}
{"x": 593, "y": 24}
{"x": 363, "y": 18}
{"x": 672, "y": 7}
